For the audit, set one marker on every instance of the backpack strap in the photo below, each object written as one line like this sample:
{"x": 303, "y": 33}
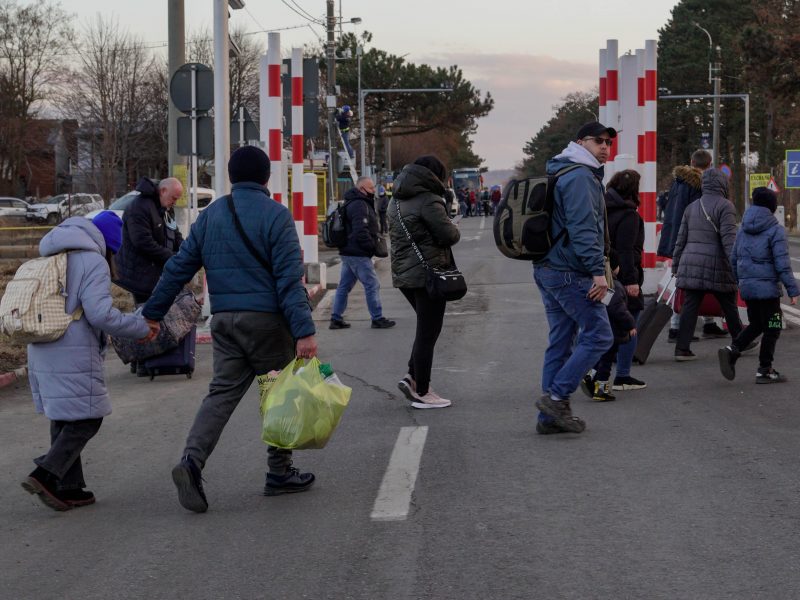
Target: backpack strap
{"x": 550, "y": 199}
{"x": 243, "y": 235}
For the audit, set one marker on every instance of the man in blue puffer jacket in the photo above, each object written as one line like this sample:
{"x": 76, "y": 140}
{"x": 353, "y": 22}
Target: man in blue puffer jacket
{"x": 260, "y": 307}
{"x": 571, "y": 278}
{"x": 760, "y": 260}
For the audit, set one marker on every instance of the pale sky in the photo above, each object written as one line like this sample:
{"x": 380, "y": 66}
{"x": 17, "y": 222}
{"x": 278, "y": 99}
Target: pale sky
{"x": 528, "y": 54}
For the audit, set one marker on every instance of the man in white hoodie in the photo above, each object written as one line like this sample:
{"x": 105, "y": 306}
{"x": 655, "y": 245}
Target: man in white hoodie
{"x": 571, "y": 278}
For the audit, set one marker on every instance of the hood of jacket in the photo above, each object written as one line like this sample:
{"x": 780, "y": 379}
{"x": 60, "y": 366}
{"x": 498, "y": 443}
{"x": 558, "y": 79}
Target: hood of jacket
{"x": 574, "y": 154}
{"x": 415, "y": 180}
{"x": 357, "y": 194}
{"x": 690, "y": 175}
{"x": 616, "y": 202}
{"x": 715, "y": 183}
{"x": 758, "y": 219}
{"x": 76, "y": 233}
{"x": 147, "y": 187}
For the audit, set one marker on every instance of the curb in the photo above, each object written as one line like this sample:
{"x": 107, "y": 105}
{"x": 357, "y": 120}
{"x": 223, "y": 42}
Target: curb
{"x": 12, "y": 376}
{"x": 204, "y": 334}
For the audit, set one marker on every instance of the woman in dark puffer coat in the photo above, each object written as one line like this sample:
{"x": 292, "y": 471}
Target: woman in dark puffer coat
{"x": 418, "y": 201}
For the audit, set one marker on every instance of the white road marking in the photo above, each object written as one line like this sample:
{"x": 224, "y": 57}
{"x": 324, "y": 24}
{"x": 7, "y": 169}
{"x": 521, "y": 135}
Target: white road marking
{"x": 483, "y": 222}
{"x": 796, "y": 274}
{"x": 791, "y": 314}
{"x": 398, "y": 482}
{"x": 797, "y": 259}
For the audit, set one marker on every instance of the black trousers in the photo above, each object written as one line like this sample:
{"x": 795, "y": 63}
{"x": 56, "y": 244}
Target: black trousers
{"x": 67, "y": 441}
{"x": 691, "y": 304}
{"x": 765, "y": 318}
{"x": 430, "y": 316}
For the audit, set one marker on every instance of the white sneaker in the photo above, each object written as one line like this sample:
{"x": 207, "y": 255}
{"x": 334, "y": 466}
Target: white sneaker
{"x": 431, "y": 400}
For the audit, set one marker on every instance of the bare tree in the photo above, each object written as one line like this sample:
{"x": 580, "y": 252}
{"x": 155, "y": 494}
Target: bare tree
{"x": 33, "y": 41}
{"x": 111, "y": 94}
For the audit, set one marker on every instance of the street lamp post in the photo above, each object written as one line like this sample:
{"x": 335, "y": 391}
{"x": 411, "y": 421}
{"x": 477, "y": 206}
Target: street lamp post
{"x": 717, "y": 85}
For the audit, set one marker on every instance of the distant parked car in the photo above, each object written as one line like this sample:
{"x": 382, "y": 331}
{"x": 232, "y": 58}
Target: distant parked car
{"x": 13, "y": 207}
{"x": 58, "y": 208}
{"x": 205, "y": 196}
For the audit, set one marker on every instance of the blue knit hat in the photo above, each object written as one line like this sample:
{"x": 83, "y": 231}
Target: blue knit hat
{"x": 110, "y": 225}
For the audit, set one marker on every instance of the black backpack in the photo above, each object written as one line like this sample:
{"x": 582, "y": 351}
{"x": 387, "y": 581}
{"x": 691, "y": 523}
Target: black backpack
{"x": 522, "y": 222}
{"x": 334, "y": 231}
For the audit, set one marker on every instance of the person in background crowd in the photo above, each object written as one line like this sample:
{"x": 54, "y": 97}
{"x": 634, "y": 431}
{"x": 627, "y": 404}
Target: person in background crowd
{"x": 382, "y": 205}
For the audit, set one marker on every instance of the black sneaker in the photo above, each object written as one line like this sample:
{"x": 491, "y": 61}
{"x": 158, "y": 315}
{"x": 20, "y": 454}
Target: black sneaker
{"x": 382, "y": 323}
{"x": 769, "y": 376}
{"x": 549, "y": 427}
{"x": 293, "y": 481}
{"x": 339, "y": 324}
{"x": 77, "y": 498}
{"x": 189, "y": 482}
{"x": 628, "y": 383}
{"x": 561, "y": 413}
{"x": 727, "y": 362}
{"x": 684, "y": 355}
{"x": 587, "y": 385}
{"x": 672, "y": 337}
{"x": 602, "y": 392}
{"x": 714, "y": 331}
{"x": 44, "y": 485}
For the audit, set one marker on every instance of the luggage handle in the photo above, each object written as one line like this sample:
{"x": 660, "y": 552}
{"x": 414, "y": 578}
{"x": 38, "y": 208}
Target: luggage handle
{"x": 666, "y": 287}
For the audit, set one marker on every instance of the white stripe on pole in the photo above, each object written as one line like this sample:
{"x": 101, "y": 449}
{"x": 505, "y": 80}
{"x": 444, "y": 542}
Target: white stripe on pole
{"x": 648, "y": 189}
{"x": 627, "y": 140}
{"x": 297, "y": 140}
{"x": 275, "y": 117}
{"x": 310, "y": 242}
{"x": 263, "y": 102}
{"x": 601, "y": 111}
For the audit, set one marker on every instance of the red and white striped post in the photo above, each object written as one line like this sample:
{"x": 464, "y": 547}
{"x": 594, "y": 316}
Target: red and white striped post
{"x": 298, "y": 142}
{"x": 640, "y": 69}
{"x": 310, "y": 242}
{"x": 601, "y": 110}
{"x": 628, "y": 119}
{"x": 612, "y": 98}
{"x": 647, "y": 186}
{"x": 274, "y": 117}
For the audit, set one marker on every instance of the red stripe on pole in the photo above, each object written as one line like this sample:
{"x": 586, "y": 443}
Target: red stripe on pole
{"x": 297, "y": 149}
{"x": 649, "y": 260}
{"x": 650, "y": 146}
{"x": 640, "y": 149}
{"x": 274, "y": 81}
{"x": 277, "y": 196}
{"x": 640, "y": 91}
{"x": 275, "y": 143}
{"x": 310, "y": 220}
{"x": 650, "y": 86}
{"x": 647, "y": 206}
{"x": 612, "y": 86}
{"x": 612, "y": 152}
{"x": 297, "y": 205}
{"x": 297, "y": 91}
{"x": 603, "y": 83}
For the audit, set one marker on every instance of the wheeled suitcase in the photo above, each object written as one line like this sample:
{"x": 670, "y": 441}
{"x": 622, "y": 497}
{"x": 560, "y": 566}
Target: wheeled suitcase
{"x": 178, "y": 361}
{"x": 651, "y": 322}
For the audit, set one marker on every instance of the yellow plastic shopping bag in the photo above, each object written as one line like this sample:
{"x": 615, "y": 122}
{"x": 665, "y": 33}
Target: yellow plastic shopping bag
{"x": 301, "y": 408}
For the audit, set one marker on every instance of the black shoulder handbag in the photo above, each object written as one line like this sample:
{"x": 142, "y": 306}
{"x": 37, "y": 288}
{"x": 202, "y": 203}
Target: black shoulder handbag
{"x": 441, "y": 284}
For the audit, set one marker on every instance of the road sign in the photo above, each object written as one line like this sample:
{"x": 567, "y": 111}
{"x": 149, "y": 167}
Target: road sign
{"x": 727, "y": 170}
{"x": 180, "y": 88}
{"x": 205, "y": 136}
{"x": 705, "y": 141}
{"x": 310, "y": 98}
{"x": 792, "y": 181}
{"x": 242, "y": 121}
{"x": 773, "y": 186}
{"x": 759, "y": 180}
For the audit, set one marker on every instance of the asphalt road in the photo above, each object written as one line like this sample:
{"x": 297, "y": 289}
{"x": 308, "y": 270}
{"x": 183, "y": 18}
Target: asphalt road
{"x": 688, "y": 489}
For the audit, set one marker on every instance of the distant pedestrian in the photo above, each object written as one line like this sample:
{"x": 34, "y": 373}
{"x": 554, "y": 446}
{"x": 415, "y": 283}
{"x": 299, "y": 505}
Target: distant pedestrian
{"x": 66, "y": 375}
{"x": 496, "y": 196}
{"x": 419, "y": 203}
{"x": 700, "y": 261}
{"x": 382, "y": 206}
{"x": 362, "y": 241}
{"x": 761, "y": 264}
{"x": 248, "y": 246}
{"x": 572, "y": 277}
{"x": 343, "y": 117}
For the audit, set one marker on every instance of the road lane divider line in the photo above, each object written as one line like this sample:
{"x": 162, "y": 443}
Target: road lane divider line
{"x": 483, "y": 222}
{"x": 394, "y": 495}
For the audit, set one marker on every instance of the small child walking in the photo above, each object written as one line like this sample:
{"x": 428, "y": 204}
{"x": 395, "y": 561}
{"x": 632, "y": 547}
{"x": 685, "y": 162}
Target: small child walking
{"x": 760, "y": 260}
{"x": 66, "y": 375}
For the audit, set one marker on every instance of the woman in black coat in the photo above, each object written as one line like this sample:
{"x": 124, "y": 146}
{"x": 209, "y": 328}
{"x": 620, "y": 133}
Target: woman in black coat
{"x": 626, "y": 233}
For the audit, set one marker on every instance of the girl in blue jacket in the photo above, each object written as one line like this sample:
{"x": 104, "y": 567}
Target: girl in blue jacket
{"x": 760, "y": 260}
{"x": 66, "y": 375}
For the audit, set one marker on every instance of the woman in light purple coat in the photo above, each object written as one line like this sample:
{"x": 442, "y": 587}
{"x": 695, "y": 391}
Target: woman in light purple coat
{"x": 66, "y": 375}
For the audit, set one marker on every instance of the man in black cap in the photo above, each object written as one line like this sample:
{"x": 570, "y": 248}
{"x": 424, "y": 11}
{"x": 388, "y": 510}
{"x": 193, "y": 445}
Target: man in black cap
{"x": 571, "y": 278}
{"x": 247, "y": 243}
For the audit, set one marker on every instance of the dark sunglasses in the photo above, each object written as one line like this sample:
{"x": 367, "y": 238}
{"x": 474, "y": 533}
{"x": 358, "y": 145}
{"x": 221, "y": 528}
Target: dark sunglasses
{"x": 600, "y": 141}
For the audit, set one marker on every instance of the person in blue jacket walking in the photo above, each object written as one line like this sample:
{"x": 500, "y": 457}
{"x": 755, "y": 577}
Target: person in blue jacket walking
{"x": 66, "y": 375}
{"x": 760, "y": 260}
{"x": 261, "y": 314}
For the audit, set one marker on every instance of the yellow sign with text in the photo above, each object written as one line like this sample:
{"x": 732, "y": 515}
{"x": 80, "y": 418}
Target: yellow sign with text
{"x": 759, "y": 180}
{"x": 182, "y": 174}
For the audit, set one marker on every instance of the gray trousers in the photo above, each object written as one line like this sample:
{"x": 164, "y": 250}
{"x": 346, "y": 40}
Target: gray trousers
{"x": 245, "y": 344}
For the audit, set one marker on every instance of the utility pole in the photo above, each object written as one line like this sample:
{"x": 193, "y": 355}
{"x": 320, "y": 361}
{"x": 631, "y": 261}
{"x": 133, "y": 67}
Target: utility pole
{"x": 717, "y": 86}
{"x": 331, "y": 100}
{"x": 176, "y": 57}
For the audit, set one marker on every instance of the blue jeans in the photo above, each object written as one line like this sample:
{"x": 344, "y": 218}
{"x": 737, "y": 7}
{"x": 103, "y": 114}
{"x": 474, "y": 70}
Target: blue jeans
{"x": 579, "y": 329}
{"x": 358, "y": 268}
{"x": 626, "y": 351}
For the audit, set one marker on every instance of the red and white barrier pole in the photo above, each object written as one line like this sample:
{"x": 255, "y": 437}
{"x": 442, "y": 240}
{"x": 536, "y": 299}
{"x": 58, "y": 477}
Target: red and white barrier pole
{"x": 612, "y": 98}
{"x": 274, "y": 117}
{"x": 628, "y": 126}
{"x": 647, "y": 186}
{"x": 640, "y": 129}
{"x": 601, "y": 111}
{"x": 310, "y": 241}
{"x": 298, "y": 143}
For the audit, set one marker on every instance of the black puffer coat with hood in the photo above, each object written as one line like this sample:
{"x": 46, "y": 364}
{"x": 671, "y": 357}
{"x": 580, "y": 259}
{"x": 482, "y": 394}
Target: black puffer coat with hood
{"x": 418, "y": 197}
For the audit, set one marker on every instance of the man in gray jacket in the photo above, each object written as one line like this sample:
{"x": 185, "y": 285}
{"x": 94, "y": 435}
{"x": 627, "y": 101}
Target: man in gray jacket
{"x": 700, "y": 259}
{"x": 571, "y": 278}
{"x": 247, "y": 243}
